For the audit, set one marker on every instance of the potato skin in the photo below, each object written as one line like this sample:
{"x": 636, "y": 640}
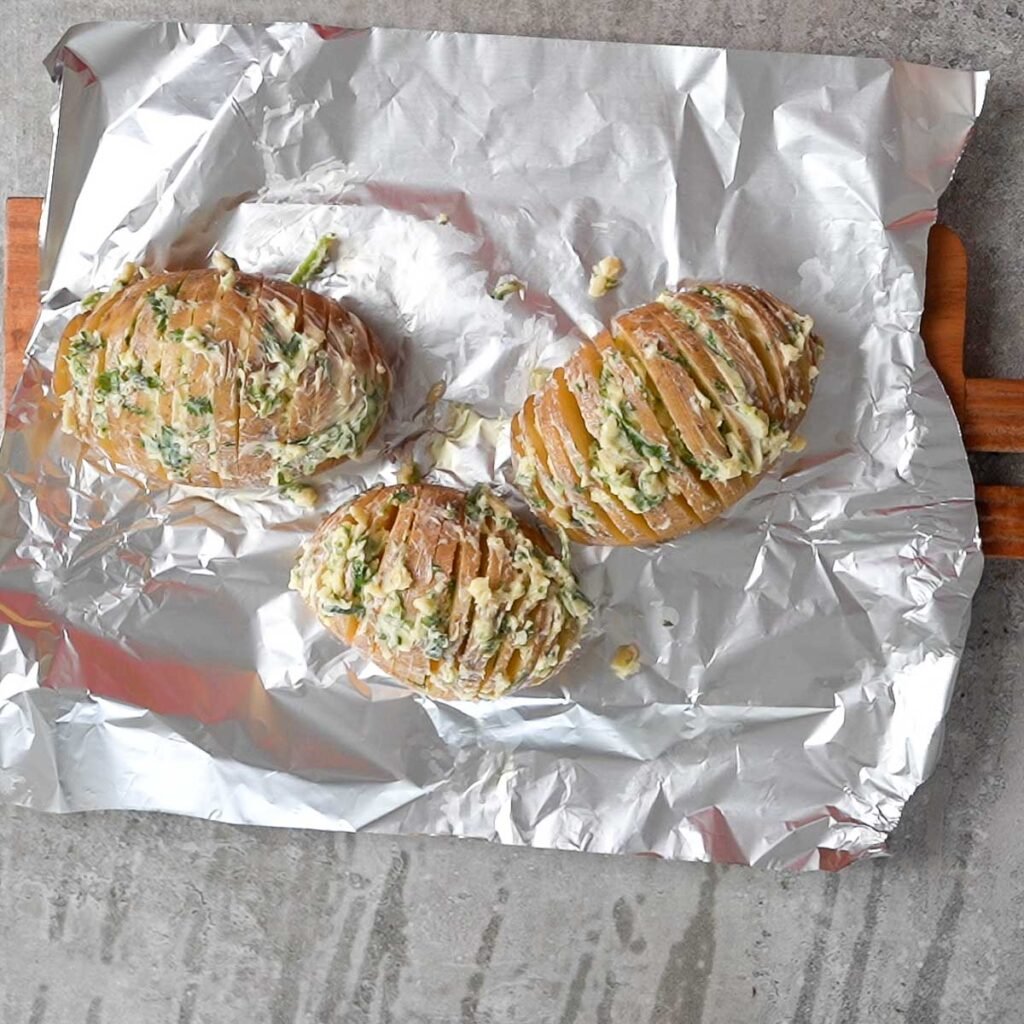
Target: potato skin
{"x": 664, "y": 421}
{"x": 446, "y": 591}
{"x": 220, "y": 379}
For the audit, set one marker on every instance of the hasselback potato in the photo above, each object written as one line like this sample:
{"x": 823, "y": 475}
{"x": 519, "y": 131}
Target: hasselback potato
{"x": 220, "y": 378}
{"x": 665, "y": 420}
{"x": 446, "y": 591}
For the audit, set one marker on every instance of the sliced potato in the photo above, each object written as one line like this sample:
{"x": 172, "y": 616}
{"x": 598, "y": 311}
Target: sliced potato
{"x": 447, "y": 592}
{"x": 660, "y": 424}
{"x": 210, "y": 379}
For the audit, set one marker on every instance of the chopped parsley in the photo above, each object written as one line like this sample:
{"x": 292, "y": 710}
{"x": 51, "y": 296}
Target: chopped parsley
{"x": 720, "y": 312}
{"x": 334, "y": 608}
{"x": 85, "y": 342}
{"x": 80, "y": 348}
{"x": 290, "y": 348}
{"x": 506, "y": 286}
{"x": 161, "y": 302}
{"x": 646, "y": 448}
{"x": 199, "y": 406}
{"x": 263, "y": 399}
{"x": 108, "y": 383}
{"x": 314, "y": 261}
{"x": 169, "y": 447}
{"x": 476, "y": 504}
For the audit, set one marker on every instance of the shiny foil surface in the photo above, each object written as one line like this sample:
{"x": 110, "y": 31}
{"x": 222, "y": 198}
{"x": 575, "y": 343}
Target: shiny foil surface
{"x": 798, "y": 655}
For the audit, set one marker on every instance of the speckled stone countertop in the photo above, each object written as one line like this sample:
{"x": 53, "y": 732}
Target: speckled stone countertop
{"x": 145, "y": 918}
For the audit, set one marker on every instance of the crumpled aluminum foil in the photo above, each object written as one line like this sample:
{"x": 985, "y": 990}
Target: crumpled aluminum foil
{"x": 798, "y": 654}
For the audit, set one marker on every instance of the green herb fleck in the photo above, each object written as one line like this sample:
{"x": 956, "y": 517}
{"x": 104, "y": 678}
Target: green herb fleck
{"x": 720, "y": 312}
{"x": 290, "y": 348}
{"x": 435, "y": 640}
{"x": 263, "y": 399}
{"x": 170, "y": 449}
{"x": 107, "y": 383}
{"x": 361, "y": 574}
{"x": 151, "y": 383}
{"x": 85, "y": 342}
{"x": 476, "y": 504}
{"x": 712, "y": 343}
{"x": 314, "y": 261}
{"x": 199, "y": 406}
{"x": 80, "y": 348}
{"x": 646, "y": 448}
{"x": 161, "y": 302}
{"x": 506, "y": 286}
{"x": 334, "y": 608}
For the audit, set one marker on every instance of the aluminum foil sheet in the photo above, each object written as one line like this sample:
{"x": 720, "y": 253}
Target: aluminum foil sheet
{"x": 798, "y": 655}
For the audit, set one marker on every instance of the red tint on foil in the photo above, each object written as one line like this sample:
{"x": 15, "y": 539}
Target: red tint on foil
{"x": 215, "y": 696}
{"x": 71, "y": 60}
{"x": 329, "y": 31}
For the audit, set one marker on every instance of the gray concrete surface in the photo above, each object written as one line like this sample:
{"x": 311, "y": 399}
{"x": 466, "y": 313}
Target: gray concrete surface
{"x": 130, "y": 918}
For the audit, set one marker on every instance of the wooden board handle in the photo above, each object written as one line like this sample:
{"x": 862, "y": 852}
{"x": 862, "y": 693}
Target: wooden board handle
{"x": 1001, "y": 518}
{"x": 21, "y": 286}
{"x": 991, "y": 411}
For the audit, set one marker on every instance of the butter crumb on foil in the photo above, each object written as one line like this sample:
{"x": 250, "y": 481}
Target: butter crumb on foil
{"x": 408, "y": 472}
{"x": 303, "y": 495}
{"x": 626, "y": 661}
{"x": 538, "y": 377}
{"x": 464, "y": 428}
{"x": 507, "y": 285}
{"x": 605, "y": 276}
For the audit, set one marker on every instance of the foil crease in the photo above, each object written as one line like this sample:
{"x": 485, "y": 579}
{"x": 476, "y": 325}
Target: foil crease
{"x": 798, "y": 655}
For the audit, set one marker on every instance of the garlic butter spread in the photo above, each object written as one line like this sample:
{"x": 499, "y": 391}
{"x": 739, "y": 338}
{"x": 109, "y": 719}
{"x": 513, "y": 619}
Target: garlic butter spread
{"x": 513, "y": 623}
{"x": 172, "y": 371}
{"x": 651, "y": 422}
{"x": 626, "y": 661}
{"x": 605, "y": 276}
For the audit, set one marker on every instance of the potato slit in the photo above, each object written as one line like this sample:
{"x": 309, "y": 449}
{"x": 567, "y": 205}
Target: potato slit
{"x": 632, "y": 526}
{"x": 651, "y": 334}
{"x": 704, "y": 499}
{"x": 599, "y": 525}
{"x": 553, "y": 491}
{"x": 392, "y": 564}
{"x": 750, "y": 323}
{"x": 688, "y": 493}
{"x": 483, "y": 628}
{"x": 624, "y": 473}
{"x": 445, "y": 555}
{"x": 413, "y": 664}
{"x": 704, "y": 372}
{"x": 731, "y": 347}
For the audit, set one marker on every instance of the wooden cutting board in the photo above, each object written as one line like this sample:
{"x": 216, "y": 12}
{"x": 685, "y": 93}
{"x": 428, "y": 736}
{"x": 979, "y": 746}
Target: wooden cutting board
{"x": 991, "y": 410}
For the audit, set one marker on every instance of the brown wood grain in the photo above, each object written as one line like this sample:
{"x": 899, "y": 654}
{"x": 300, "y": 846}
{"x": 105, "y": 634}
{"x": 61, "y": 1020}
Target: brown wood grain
{"x": 993, "y": 418}
{"x": 1001, "y": 517}
{"x": 945, "y": 311}
{"x": 21, "y": 285}
{"x": 991, "y": 411}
